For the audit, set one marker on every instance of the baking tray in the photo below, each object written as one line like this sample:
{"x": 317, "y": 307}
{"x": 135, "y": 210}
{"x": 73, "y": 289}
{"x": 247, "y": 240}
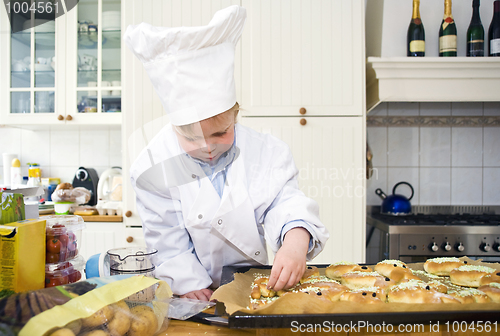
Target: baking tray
{"x": 243, "y": 320}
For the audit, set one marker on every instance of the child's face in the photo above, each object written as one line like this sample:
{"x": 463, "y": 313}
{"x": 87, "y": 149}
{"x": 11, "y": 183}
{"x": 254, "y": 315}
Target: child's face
{"x": 210, "y": 138}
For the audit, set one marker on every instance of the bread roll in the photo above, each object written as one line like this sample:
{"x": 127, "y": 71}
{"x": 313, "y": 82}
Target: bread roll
{"x": 335, "y": 271}
{"x": 489, "y": 278}
{"x": 369, "y": 295}
{"x": 492, "y": 290}
{"x": 325, "y": 291}
{"x": 356, "y": 280}
{"x": 259, "y": 288}
{"x": 311, "y": 271}
{"x": 442, "y": 266}
{"x": 415, "y": 291}
{"x": 469, "y": 275}
{"x": 64, "y": 185}
{"x": 385, "y": 267}
{"x": 470, "y": 295}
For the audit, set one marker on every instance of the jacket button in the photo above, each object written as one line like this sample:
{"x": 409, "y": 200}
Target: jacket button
{"x": 219, "y": 221}
{"x": 193, "y": 176}
{"x": 257, "y": 253}
{"x": 200, "y": 216}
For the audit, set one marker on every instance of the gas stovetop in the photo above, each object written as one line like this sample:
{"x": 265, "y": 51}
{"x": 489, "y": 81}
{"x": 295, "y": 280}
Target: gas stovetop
{"x": 439, "y": 219}
{"x": 442, "y": 215}
{"x": 440, "y": 231}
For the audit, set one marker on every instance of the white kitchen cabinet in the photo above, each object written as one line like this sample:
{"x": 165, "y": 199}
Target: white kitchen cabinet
{"x": 328, "y": 152}
{"x": 99, "y": 237}
{"x": 34, "y": 94}
{"x": 303, "y": 54}
{"x": 325, "y": 75}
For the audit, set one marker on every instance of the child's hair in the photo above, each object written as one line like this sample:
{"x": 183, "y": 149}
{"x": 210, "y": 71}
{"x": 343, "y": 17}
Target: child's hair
{"x": 187, "y": 130}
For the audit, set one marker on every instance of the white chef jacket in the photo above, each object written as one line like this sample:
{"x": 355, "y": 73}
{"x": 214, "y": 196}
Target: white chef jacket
{"x": 196, "y": 231}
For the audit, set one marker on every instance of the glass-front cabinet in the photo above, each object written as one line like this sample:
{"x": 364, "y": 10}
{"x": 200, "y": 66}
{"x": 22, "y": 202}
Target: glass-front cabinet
{"x": 62, "y": 71}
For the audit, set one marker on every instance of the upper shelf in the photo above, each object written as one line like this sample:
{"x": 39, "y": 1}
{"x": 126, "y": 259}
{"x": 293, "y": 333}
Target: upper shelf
{"x": 431, "y": 79}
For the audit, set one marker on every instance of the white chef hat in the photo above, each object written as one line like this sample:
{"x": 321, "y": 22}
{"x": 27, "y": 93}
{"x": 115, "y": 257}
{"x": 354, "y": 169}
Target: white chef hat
{"x": 191, "y": 68}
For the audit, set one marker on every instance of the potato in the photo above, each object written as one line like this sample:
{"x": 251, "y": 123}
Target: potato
{"x": 120, "y": 323}
{"x": 97, "y": 333}
{"x": 144, "y": 322}
{"x": 99, "y": 317}
{"x": 63, "y": 332}
{"x": 75, "y": 326}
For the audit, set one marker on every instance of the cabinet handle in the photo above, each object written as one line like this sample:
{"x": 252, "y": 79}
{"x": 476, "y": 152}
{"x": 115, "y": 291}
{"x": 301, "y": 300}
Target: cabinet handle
{"x": 69, "y": 117}
{"x": 303, "y": 121}
{"x": 130, "y": 239}
{"x": 128, "y": 213}
{"x": 60, "y": 117}
{"x": 302, "y": 110}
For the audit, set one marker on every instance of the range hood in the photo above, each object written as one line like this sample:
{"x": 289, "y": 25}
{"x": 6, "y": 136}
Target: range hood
{"x": 432, "y": 79}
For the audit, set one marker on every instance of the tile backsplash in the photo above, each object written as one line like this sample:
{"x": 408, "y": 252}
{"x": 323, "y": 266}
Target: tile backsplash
{"x": 445, "y": 165}
{"x": 61, "y": 152}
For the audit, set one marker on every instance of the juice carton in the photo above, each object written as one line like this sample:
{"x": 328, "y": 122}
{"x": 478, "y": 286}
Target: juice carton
{"x": 22, "y": 255}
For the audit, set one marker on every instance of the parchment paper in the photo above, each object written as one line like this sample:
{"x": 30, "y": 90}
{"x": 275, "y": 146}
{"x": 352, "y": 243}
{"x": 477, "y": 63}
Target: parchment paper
{"x": 236, "y": 297}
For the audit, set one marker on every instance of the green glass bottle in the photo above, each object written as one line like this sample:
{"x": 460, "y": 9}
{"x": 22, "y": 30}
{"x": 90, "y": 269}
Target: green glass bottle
{"x": 494, "y": 31}
{"x": 447, "y": 33}
{"x": 475, "y": 33}
{"x": 416, "y": 34}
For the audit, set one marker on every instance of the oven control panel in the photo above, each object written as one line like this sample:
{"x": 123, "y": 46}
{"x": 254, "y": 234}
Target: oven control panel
{"x": 430, "y": 245}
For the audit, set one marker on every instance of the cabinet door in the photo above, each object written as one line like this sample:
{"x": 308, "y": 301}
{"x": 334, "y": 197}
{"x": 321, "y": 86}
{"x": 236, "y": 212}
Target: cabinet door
{"x": 329, "y": 154}
{"x": 303, "y": 53}
{"x": 29, "y": 72}
{"x": 145, "y": 115}
{"x": 101, "y": 237}
{"x": 94, "y": 63}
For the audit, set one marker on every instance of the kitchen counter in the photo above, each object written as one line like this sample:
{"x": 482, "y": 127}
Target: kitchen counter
{"x": 193, "y": 328}
{"x": 177, "y": 327}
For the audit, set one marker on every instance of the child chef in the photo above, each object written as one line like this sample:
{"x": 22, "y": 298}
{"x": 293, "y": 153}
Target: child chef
{"x": 211, "y": 192}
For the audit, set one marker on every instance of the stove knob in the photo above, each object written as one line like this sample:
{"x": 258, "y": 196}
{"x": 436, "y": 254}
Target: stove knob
{"x": 460, "y": 247}
{"x": 496, "y": 247}
{"x": 485, "y": 247}
{"x": 447, "y": 246}
{"x": 434, "y": 247}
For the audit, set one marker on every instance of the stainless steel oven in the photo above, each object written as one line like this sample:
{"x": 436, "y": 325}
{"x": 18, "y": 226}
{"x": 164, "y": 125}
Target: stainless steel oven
{"x": 434, "y": 231}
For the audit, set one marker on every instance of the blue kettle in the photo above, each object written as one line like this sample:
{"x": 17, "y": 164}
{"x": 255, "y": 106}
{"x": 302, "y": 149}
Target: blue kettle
{"x": 395, "y": 204}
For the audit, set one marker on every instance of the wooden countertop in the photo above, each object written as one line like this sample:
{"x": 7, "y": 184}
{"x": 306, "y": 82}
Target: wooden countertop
{"x": 177, "y": 327}
{"x": 193, "y": 328}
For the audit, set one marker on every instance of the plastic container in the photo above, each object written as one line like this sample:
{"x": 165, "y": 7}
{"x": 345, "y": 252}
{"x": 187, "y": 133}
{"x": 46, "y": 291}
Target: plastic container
{"x": 64, "y": 273}
{"x": 62, "y": 208}
{"x": 63, "y": 238}
{"x": 132, "y": 260}
{"x": 34, "y": 175}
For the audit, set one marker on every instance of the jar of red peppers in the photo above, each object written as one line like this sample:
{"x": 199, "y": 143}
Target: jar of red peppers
{"x": 63, "y": 264}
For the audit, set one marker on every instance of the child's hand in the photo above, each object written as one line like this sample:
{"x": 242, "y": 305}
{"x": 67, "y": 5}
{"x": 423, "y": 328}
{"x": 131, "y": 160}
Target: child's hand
{"x": 201, "y": 294}
{"x": 290, "y": 260}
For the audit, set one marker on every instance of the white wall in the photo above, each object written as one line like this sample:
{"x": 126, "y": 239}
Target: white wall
{"x": 60, "y": 152}
{"x": 445, "y": 165}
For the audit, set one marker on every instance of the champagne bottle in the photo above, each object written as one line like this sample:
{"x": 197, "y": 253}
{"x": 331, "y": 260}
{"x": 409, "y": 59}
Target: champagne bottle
{"x": 475, "y": 33}
{"x": 494, "y": 31}
{"x": 447, "y": 33}
{"x": 416, "y": 34}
